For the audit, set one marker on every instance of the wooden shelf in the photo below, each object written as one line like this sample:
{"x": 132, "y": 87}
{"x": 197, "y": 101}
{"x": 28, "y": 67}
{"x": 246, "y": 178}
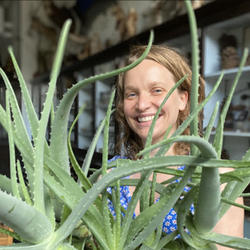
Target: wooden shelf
{"x": 235, "y": 133}
{"x": 210, "y": 13}
{"x": 228, "y": 73}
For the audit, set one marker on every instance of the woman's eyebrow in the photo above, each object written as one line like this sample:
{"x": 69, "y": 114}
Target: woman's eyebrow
{"x": 130, "y": 87}
{"x": 157, "y": 83}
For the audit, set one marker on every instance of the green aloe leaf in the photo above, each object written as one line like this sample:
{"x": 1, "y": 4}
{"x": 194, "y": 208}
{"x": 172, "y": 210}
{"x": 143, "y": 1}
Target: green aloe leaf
{"x": 224, "y": 240}
{"x": 31, "y": 113}
{"x": 204, "y": 146}
{"x": 128, "y": 220}
{"x": 181, "y": 161}
{"x": 158, "y": 216}
{"x": 208, "y": 200}
{"x": 166, "y": 239}
{"x": 17, "y": 115}
{"x": 105, "y": 210}
{"x": 20, "y": 133}
{"x": 5, "y": 183}
{"x": 40, "y": 139}
{"x": 247, "y": 208}
{"x": 83, "y": 205}
{"x": 87, "y": 161}
{"x": 117, "y": 224}
{"x": 12, "y": 152}
{"x": 24, "y": 188}
{"x": 195, "y": 68}
{"x": 80, "y": 174}
{"x": 246, "y": 157}
{"x": 69, "y": 193}
{"x": 33, "y": 228}
{"x": 23, "y": 246}
{"x": 3, "y": 118}
{"x": 33, "y": 120}
{"x": 211, "y": 122}
{"x": 183, "y": 211}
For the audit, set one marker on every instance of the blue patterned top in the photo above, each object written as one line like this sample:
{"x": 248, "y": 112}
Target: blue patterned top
{"x": 170, "y": 220}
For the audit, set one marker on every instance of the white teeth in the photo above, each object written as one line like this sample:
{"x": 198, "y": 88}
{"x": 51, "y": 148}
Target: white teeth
{"x": 146, "y": 118}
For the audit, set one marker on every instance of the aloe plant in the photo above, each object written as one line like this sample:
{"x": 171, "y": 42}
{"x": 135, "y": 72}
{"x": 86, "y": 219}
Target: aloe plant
{"x": 50, "y": 210}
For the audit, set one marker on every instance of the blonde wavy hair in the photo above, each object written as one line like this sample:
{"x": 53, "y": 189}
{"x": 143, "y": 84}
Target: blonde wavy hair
{"x": 127, "y": 142}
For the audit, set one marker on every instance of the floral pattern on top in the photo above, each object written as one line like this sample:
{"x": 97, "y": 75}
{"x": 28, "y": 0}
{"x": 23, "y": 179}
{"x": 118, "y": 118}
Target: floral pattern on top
{"x": 170, "y": 221}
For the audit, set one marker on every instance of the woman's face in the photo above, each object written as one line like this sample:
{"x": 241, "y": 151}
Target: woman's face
{"x": 145, "y": 87}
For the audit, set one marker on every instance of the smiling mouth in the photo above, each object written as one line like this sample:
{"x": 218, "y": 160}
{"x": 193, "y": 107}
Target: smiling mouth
{"x": 146, "y": 118}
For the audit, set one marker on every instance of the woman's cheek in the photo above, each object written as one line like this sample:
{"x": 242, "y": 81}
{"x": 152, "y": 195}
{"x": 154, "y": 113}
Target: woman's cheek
{"x": 126, "y": 108}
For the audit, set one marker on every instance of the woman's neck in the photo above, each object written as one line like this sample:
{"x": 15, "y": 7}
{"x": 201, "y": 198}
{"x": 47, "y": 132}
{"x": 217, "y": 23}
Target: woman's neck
{"x": 170, "y": 152}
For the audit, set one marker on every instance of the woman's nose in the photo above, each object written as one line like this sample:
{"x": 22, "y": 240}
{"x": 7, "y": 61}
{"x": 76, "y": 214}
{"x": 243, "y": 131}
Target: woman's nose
{"x": 143, "y": 102}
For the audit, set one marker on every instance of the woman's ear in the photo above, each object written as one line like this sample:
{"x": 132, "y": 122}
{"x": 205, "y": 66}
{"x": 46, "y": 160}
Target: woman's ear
{"x": 183, "y": 100}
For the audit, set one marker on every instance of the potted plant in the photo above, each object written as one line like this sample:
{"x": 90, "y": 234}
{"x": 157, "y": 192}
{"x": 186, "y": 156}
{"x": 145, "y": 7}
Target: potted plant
{"x": 48, "y": 209}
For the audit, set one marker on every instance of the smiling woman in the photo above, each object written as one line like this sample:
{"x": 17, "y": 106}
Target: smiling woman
{"x": 141, "y": 90}
{"x": 145, "y": 87}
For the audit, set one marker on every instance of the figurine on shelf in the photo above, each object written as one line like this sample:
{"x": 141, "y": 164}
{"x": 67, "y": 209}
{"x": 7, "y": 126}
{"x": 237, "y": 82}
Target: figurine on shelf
{"x": 125, "y": 24}
{"x": 156, "y": 14}
{"x": 78, "y": 44}
{"x": 180, "y": 6}
{"x": 120, "y": 17}
{"x": 49, "y": 32}
{"x": 92, "y": 46}
{"x": 240, "y": 114}
{"x": 58, "y": 15}
{"x": 95, "y": 44}
{"x": 198, "y": 3}
{"x": 131, "y": 23}
{"x": 85, "y": 52}
{"x": 228, "y": 51}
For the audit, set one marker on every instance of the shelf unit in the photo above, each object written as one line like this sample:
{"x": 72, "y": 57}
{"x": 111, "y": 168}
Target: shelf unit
{"x": 228, "y": 73}
{"x": 235, "y": 133}
{"x": 237, "y": 126}
{"x": 174, "y": 33}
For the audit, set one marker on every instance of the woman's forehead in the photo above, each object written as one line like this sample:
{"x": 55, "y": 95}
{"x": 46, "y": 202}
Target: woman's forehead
{"x": 149, "y": 72}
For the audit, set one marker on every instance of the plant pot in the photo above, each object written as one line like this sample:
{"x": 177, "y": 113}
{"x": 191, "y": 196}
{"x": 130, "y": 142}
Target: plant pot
{"x": 5, "y": 240}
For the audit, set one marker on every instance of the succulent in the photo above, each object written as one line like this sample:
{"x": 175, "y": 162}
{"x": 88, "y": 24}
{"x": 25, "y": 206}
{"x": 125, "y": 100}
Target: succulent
{"x": 48, "y": 209}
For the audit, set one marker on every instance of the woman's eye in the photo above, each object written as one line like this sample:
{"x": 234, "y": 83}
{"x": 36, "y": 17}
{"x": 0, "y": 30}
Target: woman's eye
{"x": 130, "y": 95}
{"x": 157, "y": 91}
